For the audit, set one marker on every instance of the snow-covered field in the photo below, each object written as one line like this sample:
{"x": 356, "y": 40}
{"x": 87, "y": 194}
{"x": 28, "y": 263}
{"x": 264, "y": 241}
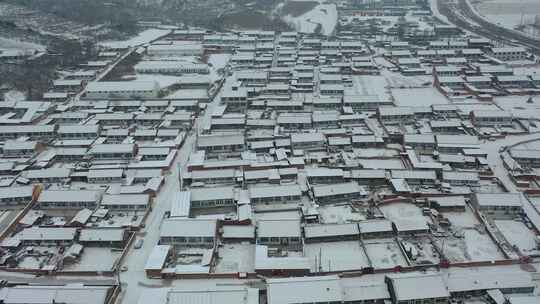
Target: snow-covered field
{"x": 6, "y": 43}
{"x": 435, "y": 10}
{"x": 462, "y": 219}
{"x": 385, "y": 254}
{"x": 480, "y": 247}
{"x": 371, "y": 85}
{"x": 236, "y": 258}
{"x": 519, "y": 106}
{"x": 217, "y": 62}
{"x": 381, "y": 163}
{"x": 162, "y": 80}
{"x": 516, "y": 233}
{"x": 473, "y": 246}
{"x": 418, "y": 97}
{"x": 323, "y": 14}
{"x": 403, "y": 212}
{"x": 142, "y": 38}
{"x": 338, "y": 214}
{"x": 14, "y": 95}
{"x": 397, "y": 80}
{"x": 509, "y": 13}
{"x": 337, "y": 256}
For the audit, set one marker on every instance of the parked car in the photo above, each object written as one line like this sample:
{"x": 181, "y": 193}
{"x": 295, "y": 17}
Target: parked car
{"x": 138, "y": 243}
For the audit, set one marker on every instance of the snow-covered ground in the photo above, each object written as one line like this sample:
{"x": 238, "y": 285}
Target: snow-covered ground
{"x": 336, "y": 256}
{"x": 516, "y": 233}
{"x": 14, "y": 95}
{"x": 462, "y": 219}
{"x": 339, "y": 214}
{"x": 392, "y": 163}
{"x": 403, "y": 212}
{"x": 217, "y": 62}
{"x": 370, "y": 85}
{"x": 519, "y": 106}
{"x": 323, "y": 14}
{"x": 142, "y": 38}
{"x": 6, "y": 43}
{"x": 385, "y": 254}
{"x": 397, "y": 80}
{"x": 236, "y": 258}
{"x": 473, "y": 246}
{"x": 435, "y": 10}
{"x": 418, "y": 97}
{"x": 163, "y": 80}
{"x": 480, "y": 247}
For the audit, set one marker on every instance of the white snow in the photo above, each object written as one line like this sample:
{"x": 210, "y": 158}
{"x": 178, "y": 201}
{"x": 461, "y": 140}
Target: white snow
{"x": 519, "y": 106}
{"x": 403, "y": 212}
{"x": 397, "y": 80}
{"x": 14, "y": 95}
{"x": 162, "y": 80}
{"x": 338, "y": 214}
{"x": 385, "y": 254}
{"x": 435, "y": 10}
{"x": 336, "y": 256}
{"x": 323, "y": 14}
{"x": 480, "y": 247}
{"x": 142, "y": 38}
{"x": 6, "y": 43}
{"x": 236, "y": 258}
{"x": 509, "y": 13}
{"x": 516, "y": 233}
{"x": 418, "y": 97}
{"x": 217, "y": 62}
{"x": 370, "y": 85}
{"x": 462, "y": 219}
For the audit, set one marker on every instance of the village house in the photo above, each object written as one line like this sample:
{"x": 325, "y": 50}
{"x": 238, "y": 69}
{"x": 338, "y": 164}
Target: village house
{"x": 308, "y": 141}
{"x": 491, "y": 118}
{"x": 324, "y": 175}
{"x": 112, "y": 151}
{"x": 416, "y": 177}
{"x": 181, "y": 232}
{"x": 238, "y": 233}
{"x": 422, "y": 143}
{"x": 455, "y": 178}
{"x": 395, "y": 114}
{"x": 331, "y": 232}
{"x": 47, "y": 236}
{"x": 33, "y": 132}
{"x": 279, "y": 233}
{"x": 221, "y": 143}
{"x": 526, "y": 157}
{"x": 48, "y": 175}
{"x": 402, "y": 288}
{"x": 343, "y": 192}
{"x": 69, "y": 199}
{"x": 15, "y": 148}
{"x": 10, "y": 196}
{"x": 103, "y": 237}
{"x": 78, "y": 131}
{"x": 121, "y": 89}
{"x": 216, "y": 197}
{"x": 105, "y": 176}
{"x": 274, "y": 194}
{"x": 509, "y": 53}
{"x": 499, "y": 205}
{"x": 125, "y": 202}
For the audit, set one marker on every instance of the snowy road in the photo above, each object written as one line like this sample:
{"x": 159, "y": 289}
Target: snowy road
{"x": 134, "y": 279}
{"x": 495, "y": 162}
